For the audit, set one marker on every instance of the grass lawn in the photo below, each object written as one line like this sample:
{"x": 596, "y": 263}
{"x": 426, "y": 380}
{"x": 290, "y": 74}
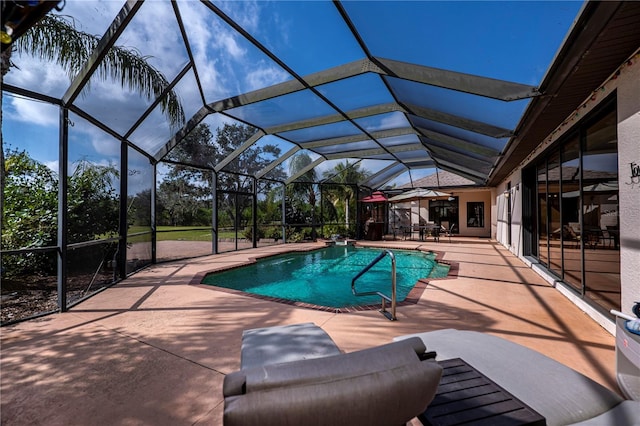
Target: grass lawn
{"x": 185, "y": 233}
{"x": 182, "y": 233}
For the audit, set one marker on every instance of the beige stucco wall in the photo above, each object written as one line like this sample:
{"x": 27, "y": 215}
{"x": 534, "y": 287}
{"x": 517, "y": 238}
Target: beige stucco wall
{"x": 627, "y": 87}
{"x": 409, "y": 213}
{"x": 628, "y": 154}
{"x": 465, "y": 197}
{"x": 502, "y": 205}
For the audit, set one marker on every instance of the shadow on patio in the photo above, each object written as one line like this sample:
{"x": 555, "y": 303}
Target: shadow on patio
{"x": 154, "y": 349}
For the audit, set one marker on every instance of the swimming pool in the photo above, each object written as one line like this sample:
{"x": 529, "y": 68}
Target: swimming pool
{"x": 323, "y": 277}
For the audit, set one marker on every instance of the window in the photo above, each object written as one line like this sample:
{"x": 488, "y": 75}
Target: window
{"x": 475, "y": 215}
{"x": 577, "y": 208}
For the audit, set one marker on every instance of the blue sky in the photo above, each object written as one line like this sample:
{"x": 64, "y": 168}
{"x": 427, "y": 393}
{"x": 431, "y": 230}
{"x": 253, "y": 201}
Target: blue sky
{"x": 514, "y": 41}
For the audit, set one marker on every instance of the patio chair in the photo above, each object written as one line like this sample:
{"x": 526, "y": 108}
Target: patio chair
{"x": 416, "y": 228}
{"x": 607, "y": 238}
{"x": 405, "y": 230}
{"x": 447, "y": 229}
{"x": 571, "y": 234}
{"x": 385, "y": 385}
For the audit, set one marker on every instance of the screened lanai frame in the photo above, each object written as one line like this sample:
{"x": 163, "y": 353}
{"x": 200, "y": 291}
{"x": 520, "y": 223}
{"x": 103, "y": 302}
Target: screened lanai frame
{"x": 422, "y": 135}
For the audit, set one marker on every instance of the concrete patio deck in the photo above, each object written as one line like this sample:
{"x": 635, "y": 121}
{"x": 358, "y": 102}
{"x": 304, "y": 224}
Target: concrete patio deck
{"x": 153, "y": 349}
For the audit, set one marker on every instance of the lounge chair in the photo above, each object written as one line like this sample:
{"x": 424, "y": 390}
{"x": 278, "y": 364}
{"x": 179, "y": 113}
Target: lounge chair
{"x": 385, "y": 385}
{"x": 390, "y": 384}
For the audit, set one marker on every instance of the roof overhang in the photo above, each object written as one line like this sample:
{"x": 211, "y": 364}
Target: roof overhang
{"x": 604, "y": 36}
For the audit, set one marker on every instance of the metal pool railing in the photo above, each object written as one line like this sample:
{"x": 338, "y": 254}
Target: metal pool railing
{"x": 391, "y": 316}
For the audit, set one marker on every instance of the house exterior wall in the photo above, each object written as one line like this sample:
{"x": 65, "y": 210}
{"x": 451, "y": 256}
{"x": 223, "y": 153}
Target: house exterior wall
{"x": 629, "y": 198}
{"x": 483, "y": 196}
{"x": 627, "y": 87}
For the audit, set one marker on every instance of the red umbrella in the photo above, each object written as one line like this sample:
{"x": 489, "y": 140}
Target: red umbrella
{"x": 376, "y": 197}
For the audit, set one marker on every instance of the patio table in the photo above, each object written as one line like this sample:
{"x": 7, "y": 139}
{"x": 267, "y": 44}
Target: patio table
{"x": 467, "y": 396}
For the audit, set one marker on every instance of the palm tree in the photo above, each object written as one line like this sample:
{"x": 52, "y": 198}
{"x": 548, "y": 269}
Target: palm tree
{"x": 306, "y": 185}
{"x": 347, "y": 176}
{"x": 55, "y": 39}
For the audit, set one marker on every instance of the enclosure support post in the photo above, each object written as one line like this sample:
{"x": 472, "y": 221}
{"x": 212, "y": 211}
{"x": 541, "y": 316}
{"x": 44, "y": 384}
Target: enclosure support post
{"x": 284, "y": 215}
{"x": 214, "y": 213}
{"x": 321, "y": 224}
{"x": 254, "y": 213}
{"x": 154, "y": 228}
{"x": 63, "y": 170}
{"x": 124, "y": 229}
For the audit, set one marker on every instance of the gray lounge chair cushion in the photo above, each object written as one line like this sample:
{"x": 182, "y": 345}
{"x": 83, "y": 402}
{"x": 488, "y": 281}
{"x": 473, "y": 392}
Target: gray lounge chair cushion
{"x": 285, "y": 343}
{"x": 562, "y": 395}
{"x": 626, "y": 413}
{"x": 388, "y": 384}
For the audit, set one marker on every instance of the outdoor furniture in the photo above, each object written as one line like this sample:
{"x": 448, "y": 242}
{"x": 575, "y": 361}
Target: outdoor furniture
{"x": 558, "y": 393}
{"x": 447, "y": 229}
{"x": 608, "y": 237}
{"x": 419, "y": 229}
{"x": 385, "y": 385}
{"x": 296, "y": 375}
{"x": 405, "y": 230}
{"x": 570, "y": 234}
{"x": 427, "y": 229}
{"x": 466, "y": 396}
{"x": 432, "y": 229}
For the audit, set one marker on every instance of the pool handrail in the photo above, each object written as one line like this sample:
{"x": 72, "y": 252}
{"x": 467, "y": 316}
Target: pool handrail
{"x": 384, "y": 297}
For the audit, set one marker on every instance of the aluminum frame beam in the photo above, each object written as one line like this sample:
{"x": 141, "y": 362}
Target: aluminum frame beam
{"x": 304, "y": 170}
{"x": 239, "y": 150}
{"x": 180, "y": 134}
{"x": 474, "y": 175}
{"x": 275, "y": 163}
{"x": 376, "y": 151}
{"x": 360, "y": 138}
{"x": 458, "y": 143}
{"x": 459, "y": 122}
{"x": 120, "y": 22}
{"x": 468, "y": 83}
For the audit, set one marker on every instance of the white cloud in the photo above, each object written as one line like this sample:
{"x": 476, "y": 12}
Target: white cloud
{"x": 53, "y": 165}
{"x": 104, "y": 144}
{"x": 226, "y": 64}
{"x": 248, "y": 14}
{"x": 34, "y": 75}
{"x": 228, "y": 42}
{"x": 392, "y": 121}
{"x": 264, "y": 76}
{"x": 33, "y": 112}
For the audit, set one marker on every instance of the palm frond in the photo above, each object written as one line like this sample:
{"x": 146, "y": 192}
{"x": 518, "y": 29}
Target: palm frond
{"x": 55, "y": 39}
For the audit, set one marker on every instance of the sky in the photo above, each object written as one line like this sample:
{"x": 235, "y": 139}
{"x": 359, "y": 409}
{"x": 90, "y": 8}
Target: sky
{"x": 513, "y": 41}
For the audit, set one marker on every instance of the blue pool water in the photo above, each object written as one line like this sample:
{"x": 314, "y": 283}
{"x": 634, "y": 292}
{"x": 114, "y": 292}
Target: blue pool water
{"x": 323, "y": 277}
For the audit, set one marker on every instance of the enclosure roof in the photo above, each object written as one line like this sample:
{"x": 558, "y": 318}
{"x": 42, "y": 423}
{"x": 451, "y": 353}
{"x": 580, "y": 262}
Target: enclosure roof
{"x": 402, "y": 89}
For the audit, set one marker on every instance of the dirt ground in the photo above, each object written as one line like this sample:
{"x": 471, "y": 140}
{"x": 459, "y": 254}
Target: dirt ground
{"x": 31, "y": 296}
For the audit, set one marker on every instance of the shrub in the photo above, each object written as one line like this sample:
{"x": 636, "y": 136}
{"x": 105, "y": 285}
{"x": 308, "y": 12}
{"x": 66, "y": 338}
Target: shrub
{"x": 248, "y": 233}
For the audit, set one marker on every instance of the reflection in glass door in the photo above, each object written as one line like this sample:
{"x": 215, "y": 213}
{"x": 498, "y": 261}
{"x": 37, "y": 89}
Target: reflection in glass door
{"x": 600, "y": 220}
{"x": 445, "y": 212}
{"x": 554, "y": 209}
{"x": 577, "y": 210}
{"x": 571, "y": 241}
{"x": 543, "y": 252}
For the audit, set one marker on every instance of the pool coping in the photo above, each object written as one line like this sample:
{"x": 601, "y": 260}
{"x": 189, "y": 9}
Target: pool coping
{"x": 412, "y": 297}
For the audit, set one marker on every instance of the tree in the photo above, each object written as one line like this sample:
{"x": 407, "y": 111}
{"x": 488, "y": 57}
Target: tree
{"x": 55, "y": 39}
{"x": 31, "y": 197}
{"x": 303, "y": 189}
{"x": 92, "y": 202}
{"x": 347, "y": 176}
{"x": 200, "y": 146}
